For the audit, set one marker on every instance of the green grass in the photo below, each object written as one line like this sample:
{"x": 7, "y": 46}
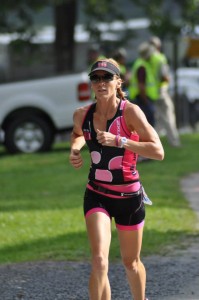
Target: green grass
{"x": 41, "y": 197}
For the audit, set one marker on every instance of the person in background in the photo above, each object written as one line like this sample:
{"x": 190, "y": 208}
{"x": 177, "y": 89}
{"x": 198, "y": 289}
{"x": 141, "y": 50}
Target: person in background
{"x": 116, "y": 131}
{"x": 94, "y": 53}
{"x": 142, "y": 88}
{"x": 165, "y": 111}
{"x": 120, "y": 56}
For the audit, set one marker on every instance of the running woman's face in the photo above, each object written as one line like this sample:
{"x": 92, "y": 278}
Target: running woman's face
{"x": 104, "y": 84}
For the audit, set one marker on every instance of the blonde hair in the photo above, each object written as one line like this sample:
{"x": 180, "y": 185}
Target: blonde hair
{"x": 120, "y": 92}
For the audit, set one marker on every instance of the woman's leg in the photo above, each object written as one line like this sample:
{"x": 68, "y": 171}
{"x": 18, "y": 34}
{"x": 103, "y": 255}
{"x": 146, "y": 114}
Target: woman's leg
{"x": 99, "y": 235}
{"x": 130, "y": 247}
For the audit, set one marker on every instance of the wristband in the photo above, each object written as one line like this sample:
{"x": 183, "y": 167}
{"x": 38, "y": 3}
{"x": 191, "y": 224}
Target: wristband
{"x": 117, "y": 140}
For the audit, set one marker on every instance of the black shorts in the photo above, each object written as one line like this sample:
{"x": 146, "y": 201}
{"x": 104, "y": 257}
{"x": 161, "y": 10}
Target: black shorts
{"x": 129, "y": 213}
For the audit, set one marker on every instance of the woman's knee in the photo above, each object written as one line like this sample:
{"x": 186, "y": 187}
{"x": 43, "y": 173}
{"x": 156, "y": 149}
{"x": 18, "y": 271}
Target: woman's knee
{"x": 100, "y": 263}
{"x": 131, "y": 264}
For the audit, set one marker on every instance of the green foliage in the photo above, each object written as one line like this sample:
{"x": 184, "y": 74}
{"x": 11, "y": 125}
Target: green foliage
{"x": 16, "y": 16}
{"x": 99, "y": 12}
{"x": 41, "y": 215}
{"x": 169, "y": 22}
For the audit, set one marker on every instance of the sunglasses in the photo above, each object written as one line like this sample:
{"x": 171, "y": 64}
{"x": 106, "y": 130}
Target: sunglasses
{"x": 105, "y": 78}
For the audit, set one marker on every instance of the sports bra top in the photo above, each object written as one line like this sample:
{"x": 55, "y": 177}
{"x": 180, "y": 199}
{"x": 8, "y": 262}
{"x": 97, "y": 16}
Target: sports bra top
{"x": 112, "y": 165}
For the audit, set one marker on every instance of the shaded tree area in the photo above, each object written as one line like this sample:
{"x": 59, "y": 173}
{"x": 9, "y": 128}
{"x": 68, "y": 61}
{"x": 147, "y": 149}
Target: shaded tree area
{"x": 65, "y": 20}
{"x": 17, "y": 16}
{"x": 99, "y": 16}
{"x": 171, "y": 19}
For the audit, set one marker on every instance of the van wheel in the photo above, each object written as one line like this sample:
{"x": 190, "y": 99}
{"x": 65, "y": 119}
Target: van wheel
{"x": 28, "y": 134}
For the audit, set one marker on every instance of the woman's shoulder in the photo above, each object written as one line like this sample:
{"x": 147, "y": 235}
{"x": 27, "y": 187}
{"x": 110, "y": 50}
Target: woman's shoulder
{"x": 83, "y": 109}
{"x": 130, "y": 106}
{"x": 133, "y": 114}
{"x": 81, "y": 112}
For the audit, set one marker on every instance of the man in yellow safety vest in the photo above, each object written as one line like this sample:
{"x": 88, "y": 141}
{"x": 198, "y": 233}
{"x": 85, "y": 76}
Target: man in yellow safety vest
{"x": 165, "y": 110}
{"x": 143, "y": 89}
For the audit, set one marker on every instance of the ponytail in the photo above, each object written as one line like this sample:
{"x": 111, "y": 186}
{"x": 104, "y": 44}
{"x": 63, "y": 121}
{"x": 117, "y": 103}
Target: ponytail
{"x": 121, "y": 94}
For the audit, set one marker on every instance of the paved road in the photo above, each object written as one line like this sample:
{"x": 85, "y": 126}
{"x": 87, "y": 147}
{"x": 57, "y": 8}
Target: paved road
{"x": 190, "y": 287}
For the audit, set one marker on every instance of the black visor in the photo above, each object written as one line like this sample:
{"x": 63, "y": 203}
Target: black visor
{"x": 104, "y": 66}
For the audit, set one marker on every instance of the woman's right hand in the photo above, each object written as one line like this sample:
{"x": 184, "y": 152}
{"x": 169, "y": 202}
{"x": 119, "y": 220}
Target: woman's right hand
{"x": 75, "y": 158}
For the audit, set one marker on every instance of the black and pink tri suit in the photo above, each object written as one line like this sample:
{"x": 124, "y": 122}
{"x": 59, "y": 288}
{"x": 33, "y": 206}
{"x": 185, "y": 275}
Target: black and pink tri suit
{"x": 113, "y": 187}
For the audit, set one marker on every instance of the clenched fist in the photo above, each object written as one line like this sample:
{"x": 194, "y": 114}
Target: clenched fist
{"x": 106, "y": 138}
{"x": 75, "y": 158}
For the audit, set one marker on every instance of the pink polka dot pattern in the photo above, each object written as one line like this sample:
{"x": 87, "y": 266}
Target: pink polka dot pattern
{"x": 96, "y": 157}
{"x": 103, "y": 175}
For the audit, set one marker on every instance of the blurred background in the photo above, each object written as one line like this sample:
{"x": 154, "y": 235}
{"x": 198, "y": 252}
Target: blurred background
{"x": 40, "y": 39}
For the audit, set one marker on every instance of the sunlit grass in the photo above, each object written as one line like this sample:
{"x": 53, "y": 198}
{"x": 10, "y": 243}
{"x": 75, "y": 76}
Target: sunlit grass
{"x": 41, "y": 196}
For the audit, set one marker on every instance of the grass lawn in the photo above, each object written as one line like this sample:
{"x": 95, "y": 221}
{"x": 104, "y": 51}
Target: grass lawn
{"x": 41, "y": 197}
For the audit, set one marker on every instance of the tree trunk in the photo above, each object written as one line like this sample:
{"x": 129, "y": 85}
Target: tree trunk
{"x": 65, "y": 20}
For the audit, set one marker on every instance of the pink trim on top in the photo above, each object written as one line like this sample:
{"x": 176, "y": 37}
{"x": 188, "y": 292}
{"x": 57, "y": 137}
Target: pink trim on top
{"x": 134, "y": 135}
{"x": 123, "y": 103}
{"x": 123, "y": 123}
{"x": 96, "y": 209}
{"x": 131, "y": 227}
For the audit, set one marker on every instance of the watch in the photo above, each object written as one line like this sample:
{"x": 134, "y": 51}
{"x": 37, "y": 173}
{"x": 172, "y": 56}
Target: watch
{"x": 123, "y": 141}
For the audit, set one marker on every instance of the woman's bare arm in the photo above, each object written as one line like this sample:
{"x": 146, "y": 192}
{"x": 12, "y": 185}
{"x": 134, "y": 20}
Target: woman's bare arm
{"x": 77, "y": 138}
{"x": 149, "y": 145}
